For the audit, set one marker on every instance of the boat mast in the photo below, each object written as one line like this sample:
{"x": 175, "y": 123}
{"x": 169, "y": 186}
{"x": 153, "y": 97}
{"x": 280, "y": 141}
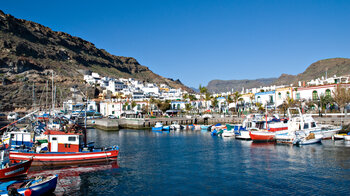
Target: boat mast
{"x": 266, "y": 115}
{"x": 47, "y": 93}
{"x": 33, "y": 96}
{"x": 53, "y": 102}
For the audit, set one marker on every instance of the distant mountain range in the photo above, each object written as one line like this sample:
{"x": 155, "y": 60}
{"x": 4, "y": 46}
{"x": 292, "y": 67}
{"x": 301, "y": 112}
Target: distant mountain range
{"x": 28, "y": 51}
{"x": 333, "y": 66}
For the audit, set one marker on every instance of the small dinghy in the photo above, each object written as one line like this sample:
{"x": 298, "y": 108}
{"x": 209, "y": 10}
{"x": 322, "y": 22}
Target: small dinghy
{"x": 34, "y": 187}
{"x": 310, "y": 139}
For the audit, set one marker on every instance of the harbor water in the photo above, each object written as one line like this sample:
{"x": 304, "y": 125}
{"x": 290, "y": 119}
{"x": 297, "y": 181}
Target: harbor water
{"x": 196, "y": 163}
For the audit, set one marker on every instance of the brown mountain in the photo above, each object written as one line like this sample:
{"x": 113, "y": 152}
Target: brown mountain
{"x": 29, "y": 50}
{"x": 333, "y": 66}
{"x": 237, "y": 85}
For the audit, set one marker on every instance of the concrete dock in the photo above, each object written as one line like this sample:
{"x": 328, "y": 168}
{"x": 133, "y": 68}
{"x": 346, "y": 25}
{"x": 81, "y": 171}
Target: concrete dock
{"x": 148, "y": 123}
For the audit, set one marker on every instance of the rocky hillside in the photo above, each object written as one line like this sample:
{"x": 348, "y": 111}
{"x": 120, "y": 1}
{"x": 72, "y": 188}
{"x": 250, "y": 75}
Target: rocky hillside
{"x": 28, "y": 51}
{"x": 333, "y": 66}
{"x": 237, "y": 85}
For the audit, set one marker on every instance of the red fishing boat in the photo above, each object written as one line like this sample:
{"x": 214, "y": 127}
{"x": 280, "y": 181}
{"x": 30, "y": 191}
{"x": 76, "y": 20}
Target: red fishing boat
{"x": 9, "y": 170}
{"x": 64, "y": 148}
{"x": 262, "y": 136}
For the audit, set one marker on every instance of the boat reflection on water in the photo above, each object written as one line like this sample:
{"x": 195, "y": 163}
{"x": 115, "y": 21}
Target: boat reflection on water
{"x": 70, "y": 177}
{"x": 262, "y": 144}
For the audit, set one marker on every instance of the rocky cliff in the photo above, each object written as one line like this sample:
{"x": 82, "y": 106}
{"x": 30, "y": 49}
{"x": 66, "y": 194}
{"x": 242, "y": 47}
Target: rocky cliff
{"x": 29, "y": 51}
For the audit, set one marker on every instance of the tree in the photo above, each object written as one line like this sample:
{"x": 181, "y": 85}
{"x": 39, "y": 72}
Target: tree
{"x": 236, "y": 98}
{"x": 125, "y": 106}
{"x": 341, "y": 97}
{"x": 202, "y": 90}
{"x": 325, "y": 100}
{"x": 188, "y": 107}
{"x": 192, "y": 97}
{"x": 133, "y": 104}
{"x": 214, "y": 102}
{"x": 152, "y": 101}
{"x": 185, "y": 97}
{"x": 207, "y": 98}
{"x": 164, "y": 106}
{"x": 260, "y": 107}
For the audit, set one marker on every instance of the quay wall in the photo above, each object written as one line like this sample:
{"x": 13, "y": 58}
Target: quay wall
{"x": 148, "y": 123}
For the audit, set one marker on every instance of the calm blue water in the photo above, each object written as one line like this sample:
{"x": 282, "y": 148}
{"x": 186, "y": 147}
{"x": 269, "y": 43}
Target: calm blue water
{"x": 193, "y": 162}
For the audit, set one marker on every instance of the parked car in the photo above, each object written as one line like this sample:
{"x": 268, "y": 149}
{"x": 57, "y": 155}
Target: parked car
{"x": 12, "y": 116}
{"x": 112, "y": 117}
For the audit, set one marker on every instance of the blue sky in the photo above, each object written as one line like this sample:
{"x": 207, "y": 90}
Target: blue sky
{"x": 197, "y": 41}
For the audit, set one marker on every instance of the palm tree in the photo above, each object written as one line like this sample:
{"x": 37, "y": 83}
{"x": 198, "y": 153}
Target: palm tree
{"x": 188, "y": 107}
{"x": 214, "y": 102}
{"x": 185, "y": 97}
{"x": 133, "y": 104}
{"x": 207, "y": 98}
{"x": 202, "y": 90}
{"x": 236, "y": 98}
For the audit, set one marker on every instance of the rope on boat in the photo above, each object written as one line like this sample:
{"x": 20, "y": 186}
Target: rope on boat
{"x": 14, "y": 122}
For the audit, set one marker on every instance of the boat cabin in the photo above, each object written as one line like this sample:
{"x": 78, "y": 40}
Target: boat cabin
{"x": 60, "y": 141}
{"x": 20, "y": 138}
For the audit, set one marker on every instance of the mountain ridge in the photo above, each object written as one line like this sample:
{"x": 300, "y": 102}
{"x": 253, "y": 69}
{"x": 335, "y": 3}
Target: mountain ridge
{"x": 333, "y": 66}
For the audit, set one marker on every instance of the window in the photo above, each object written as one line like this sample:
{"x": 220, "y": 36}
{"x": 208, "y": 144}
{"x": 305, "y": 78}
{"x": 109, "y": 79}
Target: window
{"x": 313, "y": 124}
{"x": 258, "y": 99}
{"x": 306, "y": 126}
{"x": 138, "y": 107}
{"x": 54, "y": 139}
{"x": 288, "y": 94}
{"x": 71, "y": 138}
{"x": 112, "y": 106}
{"x": 314, "y": 95}
{"x": 178, "y": 106}
{"x": 328, "y": 92}
{"x": 298, "y": 95}
{"x": 279, "y": 95}
{"x": 112, "y": 112}
{"x": 271, "y": 99}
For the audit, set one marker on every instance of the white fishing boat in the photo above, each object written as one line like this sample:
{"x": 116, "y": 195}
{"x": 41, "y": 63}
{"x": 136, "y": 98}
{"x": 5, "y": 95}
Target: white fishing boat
{"x": 175, "y": 126}
{"x": 228, "y": 133}
{"x": 299, "y": 124}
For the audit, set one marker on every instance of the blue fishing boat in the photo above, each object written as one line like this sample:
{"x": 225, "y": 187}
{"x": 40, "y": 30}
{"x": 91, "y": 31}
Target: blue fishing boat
{"x": 35, "y": 187}
{"x": 158, "y": 127}
{"x": 166, "y": 128}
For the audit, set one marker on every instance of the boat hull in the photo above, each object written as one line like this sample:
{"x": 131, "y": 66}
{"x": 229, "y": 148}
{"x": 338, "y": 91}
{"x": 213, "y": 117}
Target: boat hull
{"x": 43, "y": 188}
{"x": 326, "y": 134}
{"x": 262, "y": 136}
{"x": 51, "y": 159}
{"x": 16, "y": 170}
{"x": 244, "y": 135}
{"x": 157, "y": 128}
{"x": 347, "y": 138}
{"x": 228, "y": 133}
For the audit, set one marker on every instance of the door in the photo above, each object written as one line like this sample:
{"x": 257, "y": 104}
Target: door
{"x": 54, "y": 144}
